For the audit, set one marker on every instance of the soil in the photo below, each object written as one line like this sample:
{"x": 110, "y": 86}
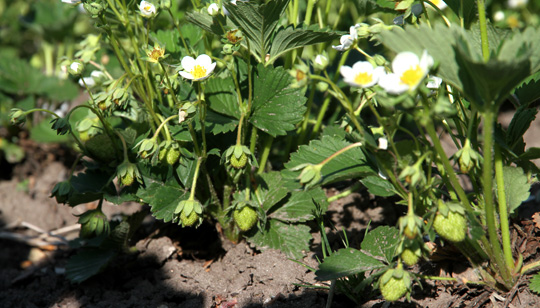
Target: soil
{"x": 176, "y": 267}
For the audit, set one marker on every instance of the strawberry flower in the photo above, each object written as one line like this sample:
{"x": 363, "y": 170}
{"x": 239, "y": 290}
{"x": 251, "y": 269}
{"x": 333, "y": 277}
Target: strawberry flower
{"x": 408, "y": 72}
{"x": 148, "y": 9}
{"x": 348, "y": 40}
{"x": 362, "y": 74}
{"x": 197, "y": 69}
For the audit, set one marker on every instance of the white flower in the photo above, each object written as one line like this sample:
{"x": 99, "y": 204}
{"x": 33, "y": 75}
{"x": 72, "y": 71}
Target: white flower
{"x": 408, "y": 72}
{"x": 182, "y": 114}
{"x": 213, "y": 9}
{"x": 513, "y": 4}
{"x": 197, "y": 69}
{"x": 147, "y": 9}
{"x": 498, "y": 16}
{"x": 434, "y": 82}
{"x": 383, "y": 143}
{"x": 361, "y": 74}
{"x": 347, "y": 40}
{"x": 72, "y": 2}
{"x": 95, "y": 77}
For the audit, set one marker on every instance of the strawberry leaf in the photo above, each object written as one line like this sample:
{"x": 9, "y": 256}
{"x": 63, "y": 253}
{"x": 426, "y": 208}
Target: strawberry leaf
{"x": 291, "y": 239}
{"x": 346, "y": 262}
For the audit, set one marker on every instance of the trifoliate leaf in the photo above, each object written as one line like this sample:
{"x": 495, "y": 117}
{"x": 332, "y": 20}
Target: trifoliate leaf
{"x": 378, "y": 186}
{"x": 381, "y": 242}
{"x": 87, "y": 263}
{"x": 291, "y": 239}
{"x": 300, "y": 206}
{"x": 347, "y": 165}
{"x": 346, "y": 262}
{"x": 276, "y": 106}
{"x": 221, "y": 96}
{"x": 270, "y": 190}
{"x": 163, "y": 199}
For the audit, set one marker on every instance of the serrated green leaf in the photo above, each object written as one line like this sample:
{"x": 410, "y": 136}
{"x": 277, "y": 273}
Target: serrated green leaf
{"x": 276, "y": 106}
{"x": 43, "y": 133}
{"x": 527, "y": 92}
{"x": 530, "y": 154}
{"x": 516, "y": 187}
{"x": 381, "y": 242}
{"x": 300, "y": 206}
{"x": 211, "y": 24}
{"x": 290, "y": 38}
{"x": 186, "y": 170}
{"x": 521, "y": 121}
{"x": 89, "y": 186}
{"x": 291, "y": 239}
{"x": 257, "y": 22}
{"x": 535, "y": 283}
{"x": 163, "y": 199}
{"x": 348, "y": 165}
{"x": 169, "y": 38}
{"x": 221, "y": 96}
{"x": 270, "y": 190}
{"x": 378, "y": 186}
{"x": 87, "y": 263}
{"x": 218, "y": 124}
{"x": 346, "y": 262}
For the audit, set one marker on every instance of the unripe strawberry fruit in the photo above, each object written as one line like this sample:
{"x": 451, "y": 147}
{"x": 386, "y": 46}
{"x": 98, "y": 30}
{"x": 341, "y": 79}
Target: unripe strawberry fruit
{"x": 101, "y": 148}
{"x": 394, "y": 288}
{"x": 188, "y": 221}
{"x": 452, "y": 228}
{"x": 126, "y": 180}
{"x": 409, "y": 257}
{"x": 172, "y": 156}
{"x": 245, "y": 218}
{"x": 239, "y": 163}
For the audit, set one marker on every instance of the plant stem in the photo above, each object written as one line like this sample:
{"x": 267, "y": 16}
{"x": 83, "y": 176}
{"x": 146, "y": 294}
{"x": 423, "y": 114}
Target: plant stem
{"x": 267, "y": 146}
{"x": 345, "y": 193}
{"x": 503, "y": 209}
{"x": 483, "y": 28}
{"x": 487, "y": 181}
{"x": 336, "y": 154}
{"x": 195, "y": 176}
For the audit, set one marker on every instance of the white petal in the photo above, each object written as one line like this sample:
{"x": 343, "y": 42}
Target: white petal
{"x": 392, "y": 84}
{"x": 378, "y": 72}
{"x": 347, "y": 72}
{"x": 210, "y": 68}
{"x": 186, "y": 75}
{"x": 188, "y": 63}
{"x": 362, "y": 66}
{"x": 434, "y": 82}
{"x": 403, "y": 61}
{"x": 204, "y": 61}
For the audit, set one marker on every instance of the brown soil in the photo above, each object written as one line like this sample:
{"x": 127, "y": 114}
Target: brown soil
{"x": 186, "y": 268}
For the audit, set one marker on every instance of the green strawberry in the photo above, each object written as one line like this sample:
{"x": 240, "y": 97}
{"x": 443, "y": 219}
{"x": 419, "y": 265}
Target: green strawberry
{"x": 127, "y": 179}
{"x": 409, "y": 257}
{"x": 188, "y": 221}
{"x": 245, "y": 218}
{"x": 240, "y": 162}
{"x": 452, "y": 227}
{"x": 172, "y": 156}
{"x": 394, "y": 284}
{"x": 100, "y": 147}
{"x": 162, "y": 154}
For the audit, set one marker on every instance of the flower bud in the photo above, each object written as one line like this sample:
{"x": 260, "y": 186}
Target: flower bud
{"x": 166, "y": 4}
{"x": 18, "y": 116}
{"x": 75, "y": 68}
{"x": 321, "y": 61}
{"x": 213, "y": 10}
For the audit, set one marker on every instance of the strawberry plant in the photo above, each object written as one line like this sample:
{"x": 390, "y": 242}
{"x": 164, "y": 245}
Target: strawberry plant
{"x": 238, "y": 113}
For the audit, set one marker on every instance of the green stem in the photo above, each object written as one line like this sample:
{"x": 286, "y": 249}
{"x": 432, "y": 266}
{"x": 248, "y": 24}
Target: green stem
{"x": 169, "y": 83}
{"x": 345, "y": 193}
{"x": 483, "y": 28}
{"x": 267, "y": 146}
{"x": 336, "y": 154}
{"x": 163, "y": 124}
{"x": 194, "y": 182}
{"x": 503, "y": 210}
{"x": 487, "y": 180}
{"x": 309, "y": 12}
{"x": 326, "y": 102}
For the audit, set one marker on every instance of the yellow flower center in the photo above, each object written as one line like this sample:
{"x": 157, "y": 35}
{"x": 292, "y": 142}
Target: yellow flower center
{"x": 363, "y": 78}
{"x": 155, "y": 54}
{"x": 198, "y": 72}
{"x": 147, "y": 8}
{"x": 412, "y": 76}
